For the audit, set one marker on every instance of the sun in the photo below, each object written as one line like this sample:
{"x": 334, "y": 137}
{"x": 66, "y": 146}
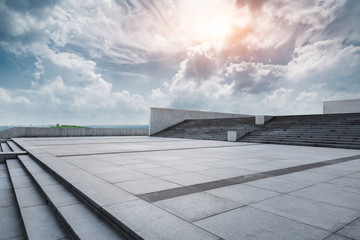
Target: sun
{"x": 203, "y": 20}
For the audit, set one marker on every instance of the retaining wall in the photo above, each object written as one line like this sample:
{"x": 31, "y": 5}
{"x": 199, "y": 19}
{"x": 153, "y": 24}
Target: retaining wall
{"x": 341, "y": 106}
{"x": 70, "y": 132}
{"x": 162, "y": 118}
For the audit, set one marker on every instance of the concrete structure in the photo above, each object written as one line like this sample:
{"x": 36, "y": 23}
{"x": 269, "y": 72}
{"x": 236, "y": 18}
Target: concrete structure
{"x": 70, "y": 132}
{"x": 164, "y": 188}
{"x": 260, "y": 120}
{"x": 341, "y": 106}
{"x": 162, "y": 118}
{"x": 232, "y": 136}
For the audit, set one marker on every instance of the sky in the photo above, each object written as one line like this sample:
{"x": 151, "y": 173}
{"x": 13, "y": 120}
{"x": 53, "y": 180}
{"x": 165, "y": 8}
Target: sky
{"x": 107, "y": 62}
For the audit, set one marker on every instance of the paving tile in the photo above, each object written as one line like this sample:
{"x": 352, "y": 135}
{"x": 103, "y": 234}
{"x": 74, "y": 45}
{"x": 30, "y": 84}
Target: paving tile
{"x": 140, "y": 216}
{"x": 7, "y": 198}
{"x": 226, "y": 172}
{"x": 339, "y": 195}
{"x": 28, "y": 197}
{"x": 13, "y": 164}
{"x": 17, "y": 171}
{"x": 21, "y": 181}
{"x": 307, "y": 177}
{"x": 278, "y": 184}
{"x": 75, "y": 176}
{"x": 347, "y": 181}
{"x": 40, "y": 223}
{"x": 162, "y": 171}
{"x": 196, "y": 206}
{"x": 20, "y": 237}
{"x": 352, "y": 230}
{"x": 103, "y": 193}
{"x": 250, "y": 223}
{"x": 354, "y": 175}
{"x": 10, "y": 222}
{"x": 5, "y": 182}
{"x": 187, "y": 179}
{"x": 337, "y": 237}
{"x": 337, "y": 170}
{"x": 60, "y": 195}
{"x": 86, "y": 224}
{"x": 243, "y": 194}
{"x": 193, "y": 167}
{"x": 45, "y": 179}
{"x": 124, "y": 176}
{"x": 146, "y": 185}
{"x": 314, "y": 213}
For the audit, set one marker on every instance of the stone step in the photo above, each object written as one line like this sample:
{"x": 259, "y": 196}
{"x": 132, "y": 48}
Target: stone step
{"x": 10, "y": 220}
{"x": 80, "y": 220}
{"x": 5, "y": 147}
{"x": 304, "y": 140}
{"x": 123, "y": 210}
{"x": 300, "y": 143}
{"x": 14, "y": 147}
{"x": 39, "y": 220}
{"x": 312, "y": 136}
{"x": 300, "y": 140}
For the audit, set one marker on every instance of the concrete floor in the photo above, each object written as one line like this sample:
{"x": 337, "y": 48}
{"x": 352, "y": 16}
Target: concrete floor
{"x": 165, "y": 188}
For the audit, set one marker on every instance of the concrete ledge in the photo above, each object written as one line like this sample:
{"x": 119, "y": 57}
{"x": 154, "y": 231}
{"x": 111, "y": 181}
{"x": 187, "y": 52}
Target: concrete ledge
{"x": 162, "y": 118}
{"x": 341, "y": 106}
{"x": 70, "y": 132}
{"x": 10, "y": 155}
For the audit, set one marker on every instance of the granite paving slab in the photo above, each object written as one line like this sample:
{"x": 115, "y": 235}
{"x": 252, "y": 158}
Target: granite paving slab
{"x": 250, "y": 223}
{"x": 343, "y": 196}
{"x": 352, "y": 230}
{"x": 10, "y": 223}
{"x": 243, "y": 194}
{"x": 196, "y": 206}
{"x": 41, "y": 224}
{"x": 314, "y": 213}
{"x": 153, "y": 223}
{"x": 191, "y": 178}
{"x": 87, "y": 225}
{"x": 146, "y": 185}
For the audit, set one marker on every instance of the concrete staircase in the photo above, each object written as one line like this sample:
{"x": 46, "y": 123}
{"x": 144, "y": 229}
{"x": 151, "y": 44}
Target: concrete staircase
{"x": 9, "y": 149}
{"x": 208, "y": 129}
{"x": 47, "y": 207}
{"x": 326, "y": 130}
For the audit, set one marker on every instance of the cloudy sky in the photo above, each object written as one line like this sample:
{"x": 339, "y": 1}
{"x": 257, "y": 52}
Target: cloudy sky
{"x": 107, "y": 62}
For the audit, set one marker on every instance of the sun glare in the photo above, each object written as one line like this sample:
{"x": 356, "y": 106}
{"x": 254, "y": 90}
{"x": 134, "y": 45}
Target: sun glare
{"x": 207, "y": 20}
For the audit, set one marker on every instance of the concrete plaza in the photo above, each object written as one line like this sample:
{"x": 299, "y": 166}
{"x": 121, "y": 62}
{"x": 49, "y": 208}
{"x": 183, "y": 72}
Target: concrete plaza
{"x": 167, "y": 188}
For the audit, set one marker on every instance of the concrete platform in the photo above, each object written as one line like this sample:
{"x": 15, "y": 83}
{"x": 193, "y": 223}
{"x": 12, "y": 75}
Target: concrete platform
{"x": 163, "y": 188}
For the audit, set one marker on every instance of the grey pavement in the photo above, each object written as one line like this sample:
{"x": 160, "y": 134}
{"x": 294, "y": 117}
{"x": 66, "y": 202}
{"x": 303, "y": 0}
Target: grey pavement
{"x": 166, "y": 188}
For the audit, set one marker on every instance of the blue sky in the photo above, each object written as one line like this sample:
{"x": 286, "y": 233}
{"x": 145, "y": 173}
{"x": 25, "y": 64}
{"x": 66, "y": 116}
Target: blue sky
{"x": 106, "y": 62}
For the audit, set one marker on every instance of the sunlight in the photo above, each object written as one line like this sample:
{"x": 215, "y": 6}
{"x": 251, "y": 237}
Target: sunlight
{"x": 207, "y": 20}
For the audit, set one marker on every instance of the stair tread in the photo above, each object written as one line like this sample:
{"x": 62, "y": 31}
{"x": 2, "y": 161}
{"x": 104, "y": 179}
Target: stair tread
{"x": 39, "y": 221}
{"x": 5, "y": 147}
{"x": 10, "y": 220}
{"x": 83, "y": 222}
{"x": 13, "y": 146}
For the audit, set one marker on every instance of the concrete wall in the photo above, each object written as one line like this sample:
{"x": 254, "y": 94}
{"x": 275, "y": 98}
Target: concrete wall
{"x": 70, "y": 132}
{"x": 162, "y": 118}
{"x": 342, "y": 106}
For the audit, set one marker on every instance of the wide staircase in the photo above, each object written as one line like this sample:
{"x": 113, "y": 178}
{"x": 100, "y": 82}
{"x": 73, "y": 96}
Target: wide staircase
{"x": 208, "y": 129}
{"x": 36, "y": 204}
{"x": 325, "y": 130}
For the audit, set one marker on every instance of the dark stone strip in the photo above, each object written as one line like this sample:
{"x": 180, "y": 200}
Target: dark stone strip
{"x": 196, "y": 188}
